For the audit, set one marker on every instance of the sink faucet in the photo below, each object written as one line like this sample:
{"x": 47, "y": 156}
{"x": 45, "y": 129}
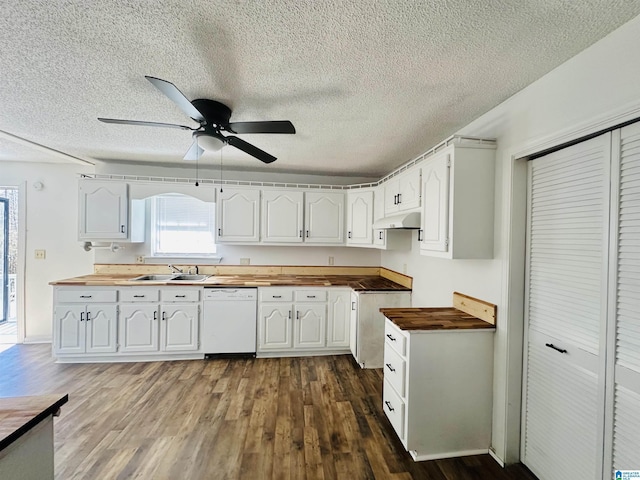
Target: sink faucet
{"x": 174, "y": 269}
{"x": 195, "y": 270}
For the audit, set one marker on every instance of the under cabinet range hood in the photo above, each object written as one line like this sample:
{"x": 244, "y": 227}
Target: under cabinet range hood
{"x": 409, "y": 220}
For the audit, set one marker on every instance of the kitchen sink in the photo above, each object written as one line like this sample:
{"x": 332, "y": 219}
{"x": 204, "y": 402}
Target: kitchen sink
{"x": 187, "y": 277}
{"x": 154, "y": 278}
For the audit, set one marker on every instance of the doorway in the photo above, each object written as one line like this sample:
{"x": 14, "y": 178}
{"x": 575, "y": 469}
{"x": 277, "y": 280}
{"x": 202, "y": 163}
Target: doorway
{"x": 8, "y": 265}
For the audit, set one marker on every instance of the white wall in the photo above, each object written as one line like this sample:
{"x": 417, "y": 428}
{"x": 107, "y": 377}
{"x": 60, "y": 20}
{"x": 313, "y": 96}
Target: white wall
{"x": 596, "y": 89}
{"x": 51, "y": 224}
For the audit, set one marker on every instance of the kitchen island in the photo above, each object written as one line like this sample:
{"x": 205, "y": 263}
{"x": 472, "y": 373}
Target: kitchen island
{"x": 26, "y": 436}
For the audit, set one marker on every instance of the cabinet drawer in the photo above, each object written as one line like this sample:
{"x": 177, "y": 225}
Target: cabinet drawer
{"x": 395, "y": 337}
{"x": 394, "y": 369}
{"x": 180, "y": 295}
{"x": 276, "y": 295}
{"x": 393, "y": 407}
{"x": 310, "y": 295}
{"x": 86, "y": 296}
{"x": 140, "y": 295}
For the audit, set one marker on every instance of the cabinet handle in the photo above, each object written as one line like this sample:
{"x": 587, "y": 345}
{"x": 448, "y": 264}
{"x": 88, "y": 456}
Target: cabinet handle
{"x": 380, "y": 234}
{"x": 155, "y": 315}
{"x": 121, "y": 228}
{"x": 276, "y": 296}
{"x": 388, "y": 404}
{"x": 349, "y": 235}
{"x": 395, "y": 199}
{"x": 420, "y": 235}
{"x": 290, "y": 313}
{"x": 164, "y": 315}
{"x": 399, "y": 198}
{"x": 390, "y": 367}
{"x": 311, "y": 296}
{"x": 139, "y": 296}
{"x": 82, "y": 316}
{"x": 298, "y": 314}
{"x": 307, "y": 233}
{"x": 300, "y": 233}
{"x": 551, "y": 345}
{"x": 390, "y": 337}
{"x": 353, "y": 305}
{"x": 85, "y": 296}
{"x": 219, "y": 232}
{"x": 180, "y": 296}
{"x": 88, "y": 316}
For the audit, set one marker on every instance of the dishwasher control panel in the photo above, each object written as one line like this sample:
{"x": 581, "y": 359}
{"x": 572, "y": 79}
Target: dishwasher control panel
{"x": 230, "y": 294}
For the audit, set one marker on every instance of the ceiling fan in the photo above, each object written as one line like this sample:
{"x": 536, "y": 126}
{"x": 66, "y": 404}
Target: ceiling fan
{"x": 214, "y": 119}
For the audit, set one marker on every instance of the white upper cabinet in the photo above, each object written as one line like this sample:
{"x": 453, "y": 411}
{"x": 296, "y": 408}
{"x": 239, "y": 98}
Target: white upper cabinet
{"x": 282, "y": 214}
{"x": 402, "y": 192}
{"x": 103, "y": 210}
{"x": 359, "y": 217}
{"x": 324, "y": 217}
{"x": 238, "y": 215}
{"x": 458, "y": 203}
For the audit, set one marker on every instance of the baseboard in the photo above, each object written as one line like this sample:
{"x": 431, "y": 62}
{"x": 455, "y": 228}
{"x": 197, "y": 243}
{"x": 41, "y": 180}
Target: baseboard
{"x": 494, "y": 455}
{"x": 37, "y": 339}
{"x": 436, "y": 456}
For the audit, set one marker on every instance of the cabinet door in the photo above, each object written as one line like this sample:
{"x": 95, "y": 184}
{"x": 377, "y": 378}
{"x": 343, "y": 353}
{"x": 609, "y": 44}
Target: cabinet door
{"x": 379, "y": 236}
{"x": 360, "y": 218}
{"x": 179, "y": 327}
{"x": 353, "y": 326}
{"x": 435, "y": 209}
{"x": 409, "y": 190}
{"x": 282, "y": 213}
{"x": 390, "y": 197}
{"x": 237, "y": 215}
{"x": 324, "y": 217}
{"x": 338, "y": 318}
{"x": 309, "y": 327}
{"x": 103, "y": 210}
{"x": 138, "y": 328}
{"x": 69, "y": 328}
{"x": 274, "y": 327}
{"x": 101, "y": 323}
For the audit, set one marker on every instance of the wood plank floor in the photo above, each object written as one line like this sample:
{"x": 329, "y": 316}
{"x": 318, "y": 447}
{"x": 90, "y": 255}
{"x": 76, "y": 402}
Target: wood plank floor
{"x": 288, "y": 418}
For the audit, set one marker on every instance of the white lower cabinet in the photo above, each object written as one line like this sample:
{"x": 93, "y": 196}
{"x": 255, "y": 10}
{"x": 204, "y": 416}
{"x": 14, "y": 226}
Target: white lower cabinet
{"x": 139, "y": 328}
{"x": 179, "y": 327}
{"x": 366, "y": 337}
{"x": 83, "y": 322}
{"x": 302, "y": 321}
{"x": 437, "y": 390}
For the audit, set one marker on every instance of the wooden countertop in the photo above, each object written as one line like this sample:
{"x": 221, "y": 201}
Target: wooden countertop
{"x": 355, "y": 282}
{"x": 18, "y": 415}
{"x": 436, "y": 318}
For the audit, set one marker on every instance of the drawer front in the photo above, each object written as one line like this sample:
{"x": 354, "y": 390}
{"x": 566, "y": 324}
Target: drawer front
{"x": 180, "y": 295}
{"x": 310, "y": 296}
{"x": 276, "y": 295}
{"x": 140, "y": 295}
{"x": 395, "y": 337}
{"x": 393, "y": 407}
{"x": 86, "y": 296}
{"x": 394, "y": 369}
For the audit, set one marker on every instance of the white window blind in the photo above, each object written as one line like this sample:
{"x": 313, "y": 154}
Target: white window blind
{"x": 182, "y": 226}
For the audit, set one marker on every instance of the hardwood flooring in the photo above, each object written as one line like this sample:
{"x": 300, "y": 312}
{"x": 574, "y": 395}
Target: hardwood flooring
{"x": 287, "y": 418}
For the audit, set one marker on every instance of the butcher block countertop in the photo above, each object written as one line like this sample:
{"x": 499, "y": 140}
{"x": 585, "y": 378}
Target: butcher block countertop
{"x": 18, "y": 415}
{"x": 356, "y": 282}
{"x": 468, "y": 313}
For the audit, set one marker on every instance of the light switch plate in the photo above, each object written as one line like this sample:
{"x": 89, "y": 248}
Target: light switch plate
{"x": 41, "y": 254}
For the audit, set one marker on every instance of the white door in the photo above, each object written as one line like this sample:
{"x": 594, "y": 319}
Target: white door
{"x": 324, "y": 217}
{"x": 179, "y": 326}
{"x": 102, "y": 210}
{"x": 282, "y": 214}
{"x": 435, "y": 208}
{"x": 624, "y": 347}
{"x": 309, "y": 326}
{"x": 359, "y": 218}
{"x": 353, "y": 325}
{"x": 138, "y": 328}
{"x": 563, "y": 413}
{"x": 101, "y": 328}
{"x": 70, "y": 328}
{"x": 409, "y": 190}
{"x": 338, "y": 318}
{"x": 237, "y": 215}
{"x": 274, "y": 327}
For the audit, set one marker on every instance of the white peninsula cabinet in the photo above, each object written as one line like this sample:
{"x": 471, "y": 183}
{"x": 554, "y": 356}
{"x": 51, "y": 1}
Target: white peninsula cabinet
{"x": 302, "y": 321}
{"x": 238, "y": 215}
{"x": 84, "y": 320}
{"x": 458, "y": 203}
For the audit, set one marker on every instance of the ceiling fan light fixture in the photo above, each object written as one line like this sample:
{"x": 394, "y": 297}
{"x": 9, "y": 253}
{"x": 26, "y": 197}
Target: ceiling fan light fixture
{"x": 211, "y": 143}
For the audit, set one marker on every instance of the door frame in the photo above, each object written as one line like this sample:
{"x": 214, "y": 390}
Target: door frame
{"x": 4, "y": 282}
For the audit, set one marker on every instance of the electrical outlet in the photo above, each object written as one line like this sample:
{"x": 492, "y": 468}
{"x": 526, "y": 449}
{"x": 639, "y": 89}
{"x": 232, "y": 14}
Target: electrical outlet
{"x": 245, "y": 261}
{"x": 41, "y": 254}
{"x": 139, "y": 258}
{"x": 330, "y": 260}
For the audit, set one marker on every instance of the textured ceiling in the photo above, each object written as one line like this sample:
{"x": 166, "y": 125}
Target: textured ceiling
{"x": 369, "y": 85}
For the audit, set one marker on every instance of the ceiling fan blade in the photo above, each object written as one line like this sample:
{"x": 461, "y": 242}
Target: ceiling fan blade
{"x": 277, "y": 126}
{"x": 250, "y": 149}
{"x": 145, "y": 124}
{"x": 177, "y": 97}
{"x": 195, "y": 151}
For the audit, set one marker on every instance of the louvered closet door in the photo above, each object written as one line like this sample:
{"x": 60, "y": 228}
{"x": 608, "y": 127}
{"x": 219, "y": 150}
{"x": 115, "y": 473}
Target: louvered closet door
{"x": 566, "y": 311}
{"x": 626, "y": 391}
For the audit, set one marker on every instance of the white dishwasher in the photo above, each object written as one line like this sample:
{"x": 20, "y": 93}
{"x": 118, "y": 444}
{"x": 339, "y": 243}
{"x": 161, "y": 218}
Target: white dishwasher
{"x": 229, "y": 321}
